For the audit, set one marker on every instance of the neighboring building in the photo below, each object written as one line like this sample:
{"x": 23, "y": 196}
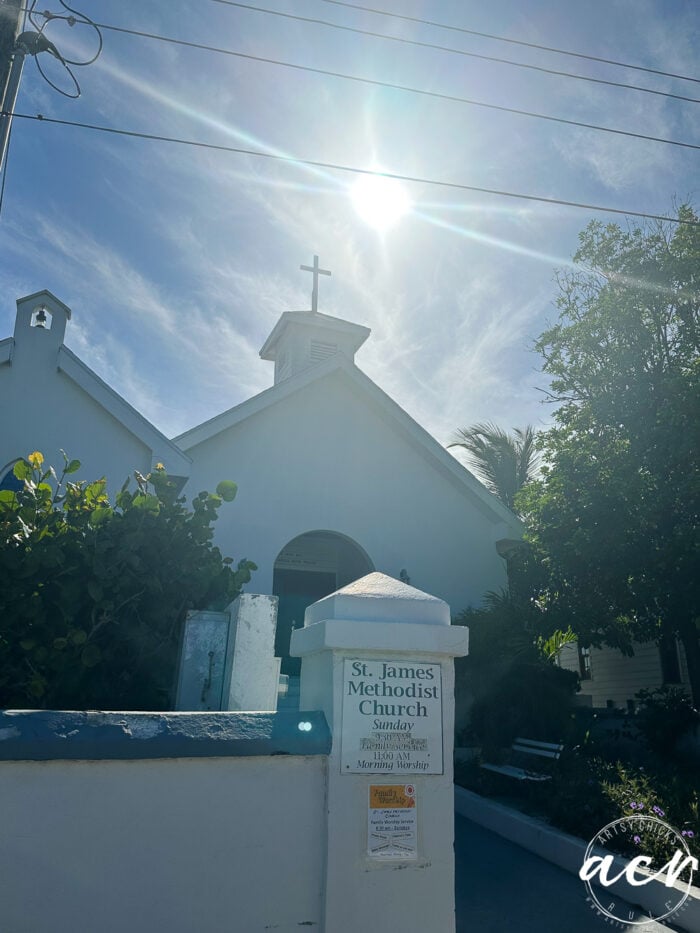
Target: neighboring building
{"x": 335, "y": 479}
{"x": 610, "y": 679}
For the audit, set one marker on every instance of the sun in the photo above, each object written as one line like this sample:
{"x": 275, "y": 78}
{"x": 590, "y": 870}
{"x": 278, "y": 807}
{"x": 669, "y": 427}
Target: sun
{"x": 379, "y": 201}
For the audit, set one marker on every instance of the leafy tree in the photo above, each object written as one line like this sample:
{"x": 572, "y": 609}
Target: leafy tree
{"x": 93, "y": 596}
{"x": 503, "y": 462}
{"x": 614, "y": 520}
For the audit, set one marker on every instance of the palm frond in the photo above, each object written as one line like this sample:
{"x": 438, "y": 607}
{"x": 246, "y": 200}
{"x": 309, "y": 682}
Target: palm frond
{"x": 503, "y": 462}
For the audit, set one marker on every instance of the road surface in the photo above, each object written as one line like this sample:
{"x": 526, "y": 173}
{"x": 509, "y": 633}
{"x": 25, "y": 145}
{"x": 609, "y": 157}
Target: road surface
{"x": 502, "y": 887}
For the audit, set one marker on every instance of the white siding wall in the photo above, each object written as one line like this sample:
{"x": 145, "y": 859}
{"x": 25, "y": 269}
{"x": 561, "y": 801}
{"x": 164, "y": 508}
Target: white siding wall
{"x": 617, "y": 677}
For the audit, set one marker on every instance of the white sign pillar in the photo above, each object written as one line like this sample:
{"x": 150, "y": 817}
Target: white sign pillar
{"x": 377, "y": 658}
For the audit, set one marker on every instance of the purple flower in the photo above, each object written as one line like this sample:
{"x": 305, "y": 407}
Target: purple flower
{"x": 658, "y": 811}
{"x": 689, "y": 833}
{"x": 637, "y": 840}
{"x": 634, "y": 805}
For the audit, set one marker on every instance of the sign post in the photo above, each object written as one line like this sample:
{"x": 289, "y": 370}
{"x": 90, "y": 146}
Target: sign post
{"x": 378, "y": 659}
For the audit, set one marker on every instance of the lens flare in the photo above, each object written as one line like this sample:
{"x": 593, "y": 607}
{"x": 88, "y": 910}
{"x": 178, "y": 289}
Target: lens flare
{"x": 380, "y": 202}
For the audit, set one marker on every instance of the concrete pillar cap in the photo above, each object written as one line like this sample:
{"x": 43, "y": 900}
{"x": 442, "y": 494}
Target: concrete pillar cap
{"x": 379, "y": 598}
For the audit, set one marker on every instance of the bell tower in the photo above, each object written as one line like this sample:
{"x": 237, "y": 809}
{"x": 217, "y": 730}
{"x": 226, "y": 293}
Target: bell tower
{"x": 300, "y": 339}
{"x": 41, "y": 318}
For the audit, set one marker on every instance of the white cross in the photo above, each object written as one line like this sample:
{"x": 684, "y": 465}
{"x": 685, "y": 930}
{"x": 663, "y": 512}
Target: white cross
{"x": 316, "y": 272}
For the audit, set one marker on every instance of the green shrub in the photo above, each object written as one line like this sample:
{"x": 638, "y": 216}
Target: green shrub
{"x": 510, "y": 673}
{"x": 530, "y": 698}
{"x": 93, "y": 596}
{"x": 588, "y": 792}
{"x": 666, "y": 714}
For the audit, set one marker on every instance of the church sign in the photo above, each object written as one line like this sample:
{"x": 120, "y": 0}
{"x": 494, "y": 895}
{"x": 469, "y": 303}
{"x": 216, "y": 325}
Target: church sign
{"x": 392, "y": 717}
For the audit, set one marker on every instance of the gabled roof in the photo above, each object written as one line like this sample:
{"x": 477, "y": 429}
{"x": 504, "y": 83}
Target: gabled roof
{"x": 386, "y": 406}
{"x": 163, "y": 449}
{"x": 45, "y": 293}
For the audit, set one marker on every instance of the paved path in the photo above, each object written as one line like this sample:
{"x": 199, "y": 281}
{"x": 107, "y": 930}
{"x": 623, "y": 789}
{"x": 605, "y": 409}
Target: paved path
{"x": 502, "y": 887}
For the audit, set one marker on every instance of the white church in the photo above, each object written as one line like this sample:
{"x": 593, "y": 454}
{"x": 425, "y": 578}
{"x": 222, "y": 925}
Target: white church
{"x": 334, "y": 479}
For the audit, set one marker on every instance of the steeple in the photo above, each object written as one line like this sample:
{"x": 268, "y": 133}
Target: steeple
{"x": 301, "y": 339}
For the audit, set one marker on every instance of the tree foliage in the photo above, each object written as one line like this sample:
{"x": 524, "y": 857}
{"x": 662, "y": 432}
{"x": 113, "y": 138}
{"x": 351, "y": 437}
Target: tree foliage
{"x": 614, "y": 520}
{"x": 503, "y": 462}
{"x": 93, "y": 596}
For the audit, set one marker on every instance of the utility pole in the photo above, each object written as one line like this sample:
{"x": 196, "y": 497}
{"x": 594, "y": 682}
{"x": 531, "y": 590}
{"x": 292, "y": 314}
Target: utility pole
{"x": 11, "y": 61}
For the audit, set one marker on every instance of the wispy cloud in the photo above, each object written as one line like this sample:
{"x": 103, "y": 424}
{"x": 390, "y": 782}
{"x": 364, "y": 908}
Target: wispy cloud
{"x": 125, "y": 326}
{"x": 178, "y": 261}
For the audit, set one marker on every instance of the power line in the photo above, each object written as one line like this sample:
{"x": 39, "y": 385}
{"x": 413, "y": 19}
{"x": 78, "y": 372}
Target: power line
{"x": 73, "y": 18}
{"x": 396, "y": 87}
{"x": 333, "y": 166}
{"x": 488, "y": 35}
{"x": 453, "y": 51}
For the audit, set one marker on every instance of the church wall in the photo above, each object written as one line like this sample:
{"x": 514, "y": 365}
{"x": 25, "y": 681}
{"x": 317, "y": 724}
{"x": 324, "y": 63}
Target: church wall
{"x": 326, "y": 458}
{"x": 42, "y": 409}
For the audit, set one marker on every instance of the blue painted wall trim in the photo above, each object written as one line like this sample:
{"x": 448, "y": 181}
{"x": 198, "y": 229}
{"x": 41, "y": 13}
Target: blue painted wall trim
{"x": 46, "y": 735}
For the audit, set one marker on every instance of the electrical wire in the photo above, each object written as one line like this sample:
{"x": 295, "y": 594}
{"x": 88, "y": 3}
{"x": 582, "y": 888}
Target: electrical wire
{"x": 397, "y": 87}
{"x": 488, "y": 35}
{"x": 60, "y": 90}
{"x": 85, "y": 20}
{"x": 40, "y": 27}
{"x": 74, "y": 17}
{"x": 453, "y": 51}
{"x": 333, "y": 166}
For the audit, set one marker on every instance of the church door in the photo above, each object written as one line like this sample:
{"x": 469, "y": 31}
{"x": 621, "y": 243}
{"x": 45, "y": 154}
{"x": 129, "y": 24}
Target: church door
{"x": 310, "y": 567}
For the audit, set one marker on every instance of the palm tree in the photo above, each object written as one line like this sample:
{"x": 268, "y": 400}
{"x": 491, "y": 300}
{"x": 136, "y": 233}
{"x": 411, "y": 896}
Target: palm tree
{"x": 503, "y": 462}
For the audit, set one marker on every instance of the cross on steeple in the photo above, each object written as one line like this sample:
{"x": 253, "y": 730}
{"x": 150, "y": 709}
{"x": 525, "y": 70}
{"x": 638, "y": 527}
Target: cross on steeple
{"x": 316, "y": 272}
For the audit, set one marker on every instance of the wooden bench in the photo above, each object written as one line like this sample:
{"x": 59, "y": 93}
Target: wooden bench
{"x": 526, "y": 747}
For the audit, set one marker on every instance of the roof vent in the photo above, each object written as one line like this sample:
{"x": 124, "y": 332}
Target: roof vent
{"x": 321, "y": 351}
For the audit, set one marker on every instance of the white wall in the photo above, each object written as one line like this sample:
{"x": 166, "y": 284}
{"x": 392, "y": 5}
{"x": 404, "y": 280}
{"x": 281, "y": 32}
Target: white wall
{"x": 179, "y": 845}
{"x": 42, "y": 409}
{"x": 323, "y": 459}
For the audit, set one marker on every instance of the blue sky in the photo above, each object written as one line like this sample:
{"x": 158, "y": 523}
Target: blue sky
{"x": 177, "y": 261}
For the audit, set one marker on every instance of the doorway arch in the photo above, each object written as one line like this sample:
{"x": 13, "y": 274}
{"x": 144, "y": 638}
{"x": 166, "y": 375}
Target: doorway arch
{"x": 309, "y": 567}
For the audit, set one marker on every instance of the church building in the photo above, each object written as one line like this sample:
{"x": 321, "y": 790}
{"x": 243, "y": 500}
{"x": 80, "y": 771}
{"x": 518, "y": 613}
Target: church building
{"x": 334, "y": 479}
